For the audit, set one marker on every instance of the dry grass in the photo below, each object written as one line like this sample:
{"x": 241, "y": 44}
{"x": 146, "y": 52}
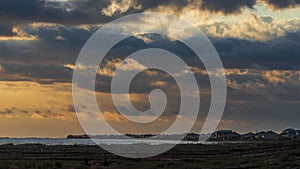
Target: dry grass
{"x": 242, "y": 155}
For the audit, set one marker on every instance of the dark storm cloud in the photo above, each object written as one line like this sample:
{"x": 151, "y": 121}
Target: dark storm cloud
{"x": 177, "y": 5}
{"x": 22, "y": 11}
{"x": 90, "y": 11}
{"x": 6, "y": 30}
{"x": 280, "y": 53}
{"x": 70, "y": 35}
{"x": 281, "y": 4}
{"x": 44, "y": 74}
{"x": 227, "y": 6}
{"x": 252, "y": 98}
{"x": 42, "y": 60}
{"x": 224, "y": 6}
{"x": 48, "y": 49}
{"x": 15, "y": 12}
{"x": 45, "y": 59}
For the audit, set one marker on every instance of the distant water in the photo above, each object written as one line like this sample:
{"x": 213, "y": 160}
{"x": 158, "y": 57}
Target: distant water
{"x": 62, "y": 141}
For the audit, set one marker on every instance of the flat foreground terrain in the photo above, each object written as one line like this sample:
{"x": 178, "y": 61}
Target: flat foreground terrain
{"x": 242, "y": 155}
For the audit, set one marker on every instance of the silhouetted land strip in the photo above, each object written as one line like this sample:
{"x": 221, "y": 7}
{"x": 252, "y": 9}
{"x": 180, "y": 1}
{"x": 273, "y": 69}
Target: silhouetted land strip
{"x": 279, "y": 154}
{"x": 220, "y": 135}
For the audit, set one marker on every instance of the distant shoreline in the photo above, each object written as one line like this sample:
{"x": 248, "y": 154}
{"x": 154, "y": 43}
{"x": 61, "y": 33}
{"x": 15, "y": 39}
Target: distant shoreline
{"x": 219, "y": 136}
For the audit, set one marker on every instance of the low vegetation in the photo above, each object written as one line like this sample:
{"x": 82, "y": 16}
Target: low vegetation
{"x": 271, "y": 154}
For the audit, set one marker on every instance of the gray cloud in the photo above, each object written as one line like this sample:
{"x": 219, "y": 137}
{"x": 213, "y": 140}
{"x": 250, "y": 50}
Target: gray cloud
{"x": 78, "y": 12}
{"x": 281, "y": 4}
{"x": 280, "y": 53}
{"x": 6, "y": 29}
{"x": 44, "y": 74}
{"x": 177, "y": 6}
{"x": 260, "y": 115}
{"x": 89, "y": 11}
{"x": 43, "y": 60}
{"x": 227, "y": 6}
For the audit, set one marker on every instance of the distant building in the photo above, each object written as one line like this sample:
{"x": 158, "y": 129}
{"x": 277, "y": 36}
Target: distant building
{"x": 270, "y": 135}
{"x": 248, "y": 136}
{"x": 84, "y": 136}
{"x": 229, "y": 135}
{"x": 290, "y": 133}
{"x": 191, "y": 137}
{"x": 298, "y": 134}
{"x": 141, "y": 136}
{"x": 225, "y": 135}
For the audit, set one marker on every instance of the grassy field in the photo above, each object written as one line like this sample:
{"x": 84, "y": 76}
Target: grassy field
{"x": 242, "y": 155}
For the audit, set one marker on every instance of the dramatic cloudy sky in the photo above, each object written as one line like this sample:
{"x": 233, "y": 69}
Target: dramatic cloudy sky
{"x": 258, "y": 42}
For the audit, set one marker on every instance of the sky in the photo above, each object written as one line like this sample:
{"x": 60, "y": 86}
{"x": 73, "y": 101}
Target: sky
{"x": 258, "y": 42}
